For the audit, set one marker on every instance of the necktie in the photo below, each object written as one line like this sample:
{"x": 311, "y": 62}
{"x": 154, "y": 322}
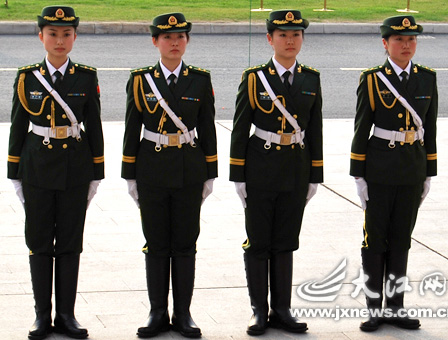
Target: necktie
{"x": 57, "y": 82}
{"x": 404, "y": 78}
{"x": 172, "y": 83}
{"x": 286, "y": 79}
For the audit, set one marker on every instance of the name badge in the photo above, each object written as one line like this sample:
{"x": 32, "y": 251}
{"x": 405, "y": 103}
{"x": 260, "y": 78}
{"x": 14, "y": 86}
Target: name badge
{"x": 264, "y": 96}
{"x": 150, "y": 97}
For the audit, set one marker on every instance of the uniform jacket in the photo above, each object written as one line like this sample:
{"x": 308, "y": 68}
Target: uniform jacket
{"x": 282, "y": 167}
{"x": 193, "y": 103}
{"x": 371, "y": 157}
{"x": 64, "y": 163}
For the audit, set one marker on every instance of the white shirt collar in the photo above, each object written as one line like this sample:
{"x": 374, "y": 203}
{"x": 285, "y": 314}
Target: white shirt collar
{"x": 281, "y": 69}
{"x": 167, "y": 72}
{"x": 52, "y": 69}
{"x": 398, "y": 69}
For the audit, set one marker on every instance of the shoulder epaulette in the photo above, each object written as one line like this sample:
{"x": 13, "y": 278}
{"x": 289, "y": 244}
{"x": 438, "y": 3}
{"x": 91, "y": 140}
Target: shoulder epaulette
{"x": 308, "y": 68}
{"x": 31, "y": 67}
{"x": 82, "y": 67}
{"x": 426, "y": 68}
{"x": 142, "y": 70}
{"x": 256, "y": 68}
{"x": 372, "y": 69}
{"x": 198, "y": 69}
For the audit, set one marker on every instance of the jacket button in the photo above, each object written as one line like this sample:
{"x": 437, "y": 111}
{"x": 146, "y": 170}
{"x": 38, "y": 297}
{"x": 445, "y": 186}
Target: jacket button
{"x": 400, "y": 115}
{"x": 64, "y": 146}
{"x": 48, "y": 117}
{"x": 64, "y": 116}
{"x": 50, "y": 146}
{"x": 278, "y": 147}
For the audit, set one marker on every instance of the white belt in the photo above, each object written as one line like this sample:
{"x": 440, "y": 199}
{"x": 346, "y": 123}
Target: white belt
{"x": 281, "y": 139}
{"x": 58, "y": 132}
{"x": 408, "y": 136}
{"x": 170, "y": 139}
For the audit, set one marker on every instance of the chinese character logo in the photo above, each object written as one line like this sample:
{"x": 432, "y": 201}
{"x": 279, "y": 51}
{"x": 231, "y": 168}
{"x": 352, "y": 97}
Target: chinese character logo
{"x": 325, "y": 290}
{"x": 435, "y": 282}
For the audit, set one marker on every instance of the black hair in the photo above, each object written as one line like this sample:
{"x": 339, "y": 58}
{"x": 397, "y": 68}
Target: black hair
{"x": 156, "y": 36}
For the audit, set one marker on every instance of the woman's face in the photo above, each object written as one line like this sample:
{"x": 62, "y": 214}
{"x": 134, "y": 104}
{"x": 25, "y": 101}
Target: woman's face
{"x": 286, "y": 44}
{"x": 401, "y": 48}
{"x": 171, "y": 45}
{"x": 58, "y": 41}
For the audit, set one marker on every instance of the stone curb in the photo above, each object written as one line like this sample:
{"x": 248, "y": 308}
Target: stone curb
{"x": 13, "y": 27}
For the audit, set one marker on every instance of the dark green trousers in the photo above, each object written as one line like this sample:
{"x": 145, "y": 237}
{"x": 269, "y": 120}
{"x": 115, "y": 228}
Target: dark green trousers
{"x": 273, "y": 220}
{"x": 170, "y": 219}
{"x": 55, "y": 219}
{"x": 390, "y": 216}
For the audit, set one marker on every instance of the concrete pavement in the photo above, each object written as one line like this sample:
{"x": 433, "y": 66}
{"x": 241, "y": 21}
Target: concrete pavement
{"x": 112, "y": 300}
{"x": 25, "y": 27}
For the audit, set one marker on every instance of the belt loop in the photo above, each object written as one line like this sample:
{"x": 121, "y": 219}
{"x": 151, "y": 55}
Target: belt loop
{"x": 392, "y": 139}
{"x": 46, "y": 140}
{"x": 420, "y": 134}
{"x": 191, "y": 135}
{"x": 299, "y": 139}
{"x": 267, "y": 145}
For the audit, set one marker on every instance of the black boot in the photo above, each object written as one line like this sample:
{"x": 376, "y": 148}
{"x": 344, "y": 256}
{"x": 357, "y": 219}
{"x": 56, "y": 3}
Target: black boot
{"x": 257, "y": 283}
{"x": 66, "y": 283}
{"x": 373, "y": 266}
{"x": 182, "y": 273}
{"x": 281, "y": 285}
{"x": 396, "y": 266}
{"x": 158, "y": 282}
{"x": 41, "y": 267}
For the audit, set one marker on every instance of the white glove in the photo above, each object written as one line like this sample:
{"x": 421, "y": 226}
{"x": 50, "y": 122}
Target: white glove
{"x": 207, "y": 189}
{"x": 17, "y": 183}
{"x": 241, "y": 191}
{"x": 93, "y": 186}
{"x": 132, "y": 190}
{"x": 363, "y": 194}
{"x": 426, "y": 187}
{"x": 312, "y": 188}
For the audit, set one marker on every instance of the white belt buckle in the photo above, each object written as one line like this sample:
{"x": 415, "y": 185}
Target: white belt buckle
{"x": 409, "y": 136}
{"x": 61, "y": 132}
{"x": 173, "y": 140}
{"x": 285, "y": 139}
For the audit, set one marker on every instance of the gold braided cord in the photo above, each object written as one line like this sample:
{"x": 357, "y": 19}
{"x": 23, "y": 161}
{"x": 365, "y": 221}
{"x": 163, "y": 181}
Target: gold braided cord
{"x": 137, "y": 80}
{"x": 250, "y": 84}
{"x": 381, "y": 98}
{"x": 370, "y": 87}
{"x": 254, "y": 96}
{"x": 22, "y": 97}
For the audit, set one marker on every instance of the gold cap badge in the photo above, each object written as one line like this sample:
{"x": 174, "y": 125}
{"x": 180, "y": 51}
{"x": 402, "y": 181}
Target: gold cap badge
{"x": 172, "y": 20}
{"x": 289, "y": 16}
{"x": 60, "y": 13}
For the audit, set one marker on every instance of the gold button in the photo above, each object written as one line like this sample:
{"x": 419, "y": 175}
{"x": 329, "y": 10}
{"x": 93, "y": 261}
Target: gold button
{"x": 164, "y": 119}
{"x": 64, "y": 146}
{"x": 279, "y": 118}
{"x": 48, "y": 117}
{"x": 64, "y": 116}
{"x": 412, "y": 128}
{"x": 279, "y": 132}
{"x": 401, "y": 143}
{"x": 164, "y": 132}
{"x": 50, "y": 146}
{"x": 278, "y": 147}
{"x": 401, "y": 129}
{"x": 165, "y": 146}
{"x": 180, "y": 146}
{"x": 180, "y": 118}
{"x": 293, "y": 146}
{"x": 295, "y": 116}
{"x": 179, "y": 132}
{"x": 400, "y": 115}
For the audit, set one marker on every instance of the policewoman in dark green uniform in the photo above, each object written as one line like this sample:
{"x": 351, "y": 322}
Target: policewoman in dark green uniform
{"x": 170, "y": 171}
{"x": 393, "y": 166}
{"x": 277, "y": 169}
{"x": 56, "y": 167}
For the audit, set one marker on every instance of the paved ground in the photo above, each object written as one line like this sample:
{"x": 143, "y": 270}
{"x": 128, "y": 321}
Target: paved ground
{"x": 112, "y": 300}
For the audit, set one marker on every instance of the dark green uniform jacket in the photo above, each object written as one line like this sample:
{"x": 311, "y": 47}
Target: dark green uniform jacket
{"x": 64, "y": 163}
{"x": 193, "y": 102}
{"x": 280, "y": 167}
{"x": 371, "y": 157}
